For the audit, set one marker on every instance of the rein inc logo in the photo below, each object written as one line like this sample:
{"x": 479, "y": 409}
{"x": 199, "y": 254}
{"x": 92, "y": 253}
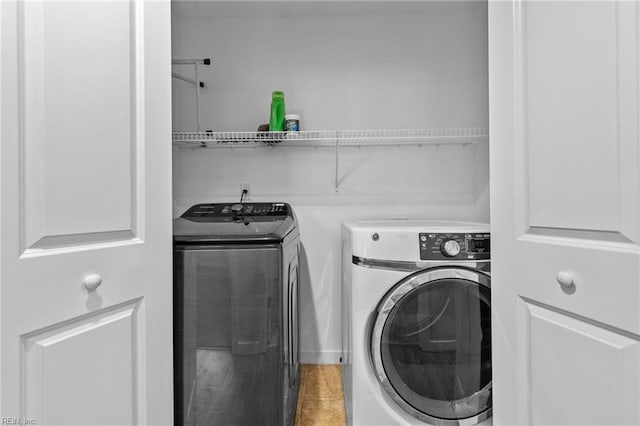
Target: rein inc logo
{"x": 17, "y": 421}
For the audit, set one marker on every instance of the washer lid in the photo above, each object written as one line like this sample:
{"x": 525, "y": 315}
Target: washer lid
{"x": 234, "y": 222}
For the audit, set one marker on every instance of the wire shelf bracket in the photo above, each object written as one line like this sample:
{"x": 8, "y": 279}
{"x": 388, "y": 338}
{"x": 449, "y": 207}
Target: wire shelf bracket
{"x": 195, "y": 81}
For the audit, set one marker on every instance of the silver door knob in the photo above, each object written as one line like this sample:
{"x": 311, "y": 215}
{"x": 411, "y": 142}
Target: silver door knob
{"x": 92, "y": 281}
{"x": 565, "y": 279}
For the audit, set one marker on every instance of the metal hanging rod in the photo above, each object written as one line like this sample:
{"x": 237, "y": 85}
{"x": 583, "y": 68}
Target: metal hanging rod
{"x": 205, "y": 61}
{"x": 195, "y": 81}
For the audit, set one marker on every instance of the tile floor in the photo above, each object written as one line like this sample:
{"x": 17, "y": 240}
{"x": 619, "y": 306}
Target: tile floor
{"x": 320, "y": 401}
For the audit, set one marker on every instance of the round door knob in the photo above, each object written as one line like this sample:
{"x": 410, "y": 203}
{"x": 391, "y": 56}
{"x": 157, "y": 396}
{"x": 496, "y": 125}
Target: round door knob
{"x": 92, "y": 281}
{"x": 450, "y": 248}
{"x": 565, "y": 279}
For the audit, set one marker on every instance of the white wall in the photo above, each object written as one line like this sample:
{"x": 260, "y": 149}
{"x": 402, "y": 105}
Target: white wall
{"x": 409, "y": 65}
{"x": 350, "y": 66}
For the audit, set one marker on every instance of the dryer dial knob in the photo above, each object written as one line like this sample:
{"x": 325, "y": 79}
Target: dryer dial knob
{"x": 450, "y": 248}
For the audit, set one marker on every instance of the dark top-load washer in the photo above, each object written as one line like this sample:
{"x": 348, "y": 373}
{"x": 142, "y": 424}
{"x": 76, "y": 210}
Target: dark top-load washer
{"x": 236, "y": 334}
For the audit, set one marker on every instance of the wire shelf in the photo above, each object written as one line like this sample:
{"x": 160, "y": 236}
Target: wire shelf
{"x": 330, "y": 138}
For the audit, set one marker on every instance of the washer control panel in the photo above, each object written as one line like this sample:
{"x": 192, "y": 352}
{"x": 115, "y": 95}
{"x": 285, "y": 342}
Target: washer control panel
{"x": 454, "y": 246}
{"x": 229, "y": 212}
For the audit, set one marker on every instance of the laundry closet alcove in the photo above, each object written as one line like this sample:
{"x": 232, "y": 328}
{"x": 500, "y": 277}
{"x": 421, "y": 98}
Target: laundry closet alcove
{"x": 363, "y": 76}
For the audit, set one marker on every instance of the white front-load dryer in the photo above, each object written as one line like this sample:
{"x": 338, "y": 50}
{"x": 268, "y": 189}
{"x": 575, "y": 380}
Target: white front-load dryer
{"x": 416, "y": 323}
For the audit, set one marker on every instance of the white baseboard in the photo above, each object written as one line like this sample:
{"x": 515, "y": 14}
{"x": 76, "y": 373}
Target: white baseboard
{"x": 324, "y": 357}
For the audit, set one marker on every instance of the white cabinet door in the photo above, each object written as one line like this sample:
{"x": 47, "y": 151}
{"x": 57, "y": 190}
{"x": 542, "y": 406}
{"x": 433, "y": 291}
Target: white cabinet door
{"x": 85, "y": 176}
{"x": 565, "y": 211}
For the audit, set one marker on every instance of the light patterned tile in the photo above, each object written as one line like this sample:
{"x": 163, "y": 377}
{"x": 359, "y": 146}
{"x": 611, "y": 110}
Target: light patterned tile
{"x": 320, "y": 401}
{"x": 297, "y": 421}
{"x": 323, "y": 382}
{"x": 322, "y": 412}
{"x": 303, "y": 375}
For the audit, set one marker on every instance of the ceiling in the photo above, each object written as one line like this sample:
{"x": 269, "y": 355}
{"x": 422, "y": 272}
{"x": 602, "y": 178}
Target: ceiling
{"x": 192, "y": 9}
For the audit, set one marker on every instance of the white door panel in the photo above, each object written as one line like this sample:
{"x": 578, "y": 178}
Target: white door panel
{"x": 85, "y": 174}
{"x": 81, "y": 108}
{"x": 576, "y": 88}
{"x": 49, "y": 358}
{"x": 578, "y": 372}
{"x": 565, "y": 188}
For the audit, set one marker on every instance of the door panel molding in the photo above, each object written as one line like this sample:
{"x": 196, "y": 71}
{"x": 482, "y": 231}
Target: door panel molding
{"x": 108, "y": 385}
{"x": 520, "y": 142}
{"x": 536, "y": 306}
{"x": 83, "y": 112}
{"x": 61, "y": 244}
{"x": 574, "y": 233}
{"x": 541, "y": 206}
{"x": 580, "y": 238}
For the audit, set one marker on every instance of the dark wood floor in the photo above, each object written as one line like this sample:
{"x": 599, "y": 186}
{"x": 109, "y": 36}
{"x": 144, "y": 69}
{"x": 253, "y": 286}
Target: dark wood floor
{"x": 218, "y": 388}
{"x": 320, "y": 400}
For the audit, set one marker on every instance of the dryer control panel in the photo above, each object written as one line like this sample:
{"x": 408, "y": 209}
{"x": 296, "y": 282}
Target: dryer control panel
{"x": 454, "y": 246}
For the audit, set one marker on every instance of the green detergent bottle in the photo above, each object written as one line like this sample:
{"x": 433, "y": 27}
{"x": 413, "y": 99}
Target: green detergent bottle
{"x": 276, "y": 121}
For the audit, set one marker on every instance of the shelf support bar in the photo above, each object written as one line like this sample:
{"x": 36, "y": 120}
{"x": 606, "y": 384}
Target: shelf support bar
{"x": 187, "y": 79}
{"x": 337, "y": 167}
{"x": 197, "y": 97}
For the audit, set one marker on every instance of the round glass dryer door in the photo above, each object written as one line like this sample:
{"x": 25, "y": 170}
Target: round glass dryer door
{"x": 431, "y": 345}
